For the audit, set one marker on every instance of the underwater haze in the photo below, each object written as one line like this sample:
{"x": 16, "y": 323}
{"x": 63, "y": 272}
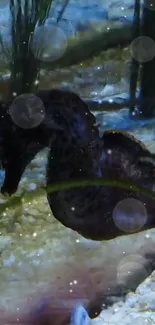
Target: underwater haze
{"x": 75, "y": 256}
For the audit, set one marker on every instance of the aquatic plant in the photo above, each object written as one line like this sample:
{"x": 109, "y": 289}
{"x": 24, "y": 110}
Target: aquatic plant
{"x": 81, "y": 135}
{"x": 78, "y": 153}
{"x": 15, "y": 201}
{"x": 143, "y": 60}
{"x": 134, "y": 63}
{"x": 147, "y": 71}
{"x": 25, "y": 65}
{"x": 26, "y": 16}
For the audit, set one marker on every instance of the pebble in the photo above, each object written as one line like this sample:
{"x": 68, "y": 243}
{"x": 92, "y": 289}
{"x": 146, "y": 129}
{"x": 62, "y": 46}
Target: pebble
{"x": 139, "y": 307}
{"x": 131, "y": 300}
{"x": 147, "y": 302}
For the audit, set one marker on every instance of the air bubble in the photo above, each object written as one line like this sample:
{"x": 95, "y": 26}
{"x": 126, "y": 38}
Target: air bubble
{"x": 130, "y": 215}
{"x": 143, "y": 49}
{"x": 49, "y": 43}
{"x": 131, "y": 271}
{"x": 27, "y": 111}
{"x": 64, "y": 24}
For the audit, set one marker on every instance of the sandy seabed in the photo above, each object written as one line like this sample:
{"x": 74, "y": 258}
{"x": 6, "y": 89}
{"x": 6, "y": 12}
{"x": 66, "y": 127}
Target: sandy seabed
{"x": 47, "y": 269}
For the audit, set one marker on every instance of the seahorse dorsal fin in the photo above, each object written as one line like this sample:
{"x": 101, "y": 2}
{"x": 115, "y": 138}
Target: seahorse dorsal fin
{"x": 146, "y": 159}
{"x": 124, "y": 140}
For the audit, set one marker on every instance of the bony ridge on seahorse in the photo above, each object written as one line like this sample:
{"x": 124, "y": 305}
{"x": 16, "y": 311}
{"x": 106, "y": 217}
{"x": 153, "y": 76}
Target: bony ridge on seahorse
{"x": 76, "y": 153}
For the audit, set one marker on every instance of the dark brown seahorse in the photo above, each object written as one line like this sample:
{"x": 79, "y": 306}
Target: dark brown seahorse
{"x": 77, "y": 152}
{"x": 116, "y": 156}
{"x": 25, "y": 144}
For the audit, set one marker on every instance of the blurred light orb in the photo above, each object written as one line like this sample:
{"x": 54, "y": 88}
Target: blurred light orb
{"x": 128, "y": 269}
{"x": 149, "y": 4}
{"x": 143, "y": 49}
{"x": 130, "y": 215}
{"x": 64, "y": 24}
{"x": 49, "y": 42}
{"x": 27, "y": 111}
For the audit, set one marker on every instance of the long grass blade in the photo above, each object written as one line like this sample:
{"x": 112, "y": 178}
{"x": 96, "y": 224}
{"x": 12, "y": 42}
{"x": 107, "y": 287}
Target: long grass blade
{"x": 61, "y": 186}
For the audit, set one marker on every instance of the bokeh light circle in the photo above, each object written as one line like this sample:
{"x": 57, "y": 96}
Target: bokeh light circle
{"x": 49, "y": 42}
{"x": 129, "y": 215}
{"x": 27, "y": 111}
{"x": 149, "y": 4}
{"x": 143, "y": 49}
{"x": 64, "y": 24}
{"x": 131, "y": 271}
